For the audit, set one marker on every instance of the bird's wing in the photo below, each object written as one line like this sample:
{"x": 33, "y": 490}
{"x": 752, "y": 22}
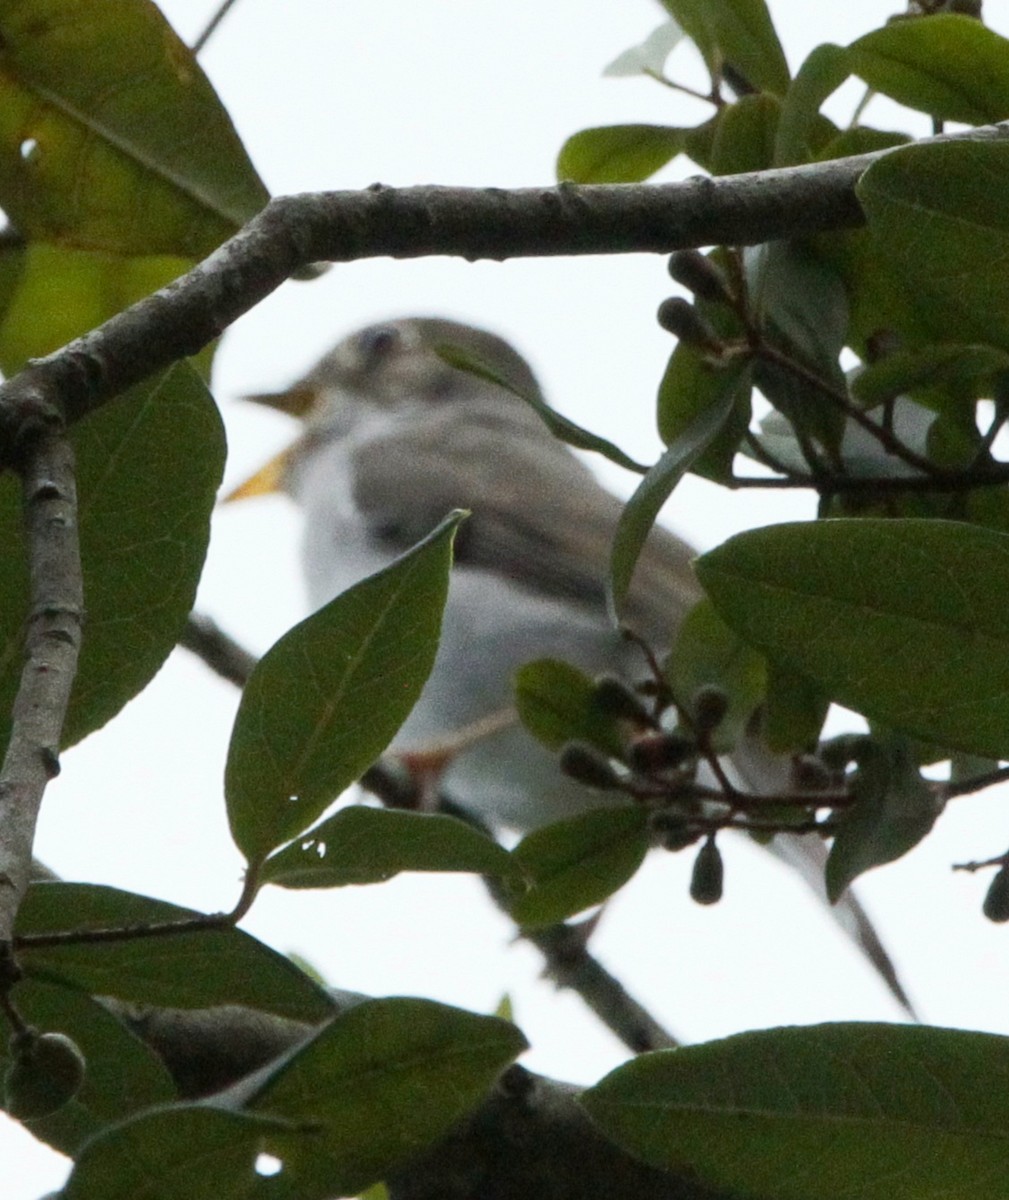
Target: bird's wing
{"x": 519, "y": 507}
{"x": 538, "y": 516}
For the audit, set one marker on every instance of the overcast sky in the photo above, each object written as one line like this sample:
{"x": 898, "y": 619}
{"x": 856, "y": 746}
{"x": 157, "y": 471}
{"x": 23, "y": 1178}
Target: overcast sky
{"x": 339, "y": 95}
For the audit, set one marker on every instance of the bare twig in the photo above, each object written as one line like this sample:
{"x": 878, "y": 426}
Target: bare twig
{"x": 211, "y": 26}
{"x": 225, "y": 657}
{"x": 52, "y": 643}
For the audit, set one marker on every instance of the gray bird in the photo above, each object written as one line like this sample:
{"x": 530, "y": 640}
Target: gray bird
{"x": 395, "y": 437}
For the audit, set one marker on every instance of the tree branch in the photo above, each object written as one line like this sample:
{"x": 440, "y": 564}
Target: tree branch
{"x": 52, "y": 643}
{"x": 528, "y": 1138}
{"x": 472, "y": 223}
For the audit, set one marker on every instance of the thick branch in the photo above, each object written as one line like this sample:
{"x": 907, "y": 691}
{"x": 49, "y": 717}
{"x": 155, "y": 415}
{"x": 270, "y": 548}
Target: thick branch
{"x": 528, "y": 1138}
{"x": 52, "y": 642}
{"x": 471, "y": 223}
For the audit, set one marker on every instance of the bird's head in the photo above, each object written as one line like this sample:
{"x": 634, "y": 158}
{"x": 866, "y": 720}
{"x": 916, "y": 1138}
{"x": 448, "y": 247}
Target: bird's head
{"x": 404, "y": 365}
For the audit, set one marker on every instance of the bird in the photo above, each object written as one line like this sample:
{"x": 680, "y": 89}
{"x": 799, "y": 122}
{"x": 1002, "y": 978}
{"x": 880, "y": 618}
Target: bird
{"x": 396, "y": 434}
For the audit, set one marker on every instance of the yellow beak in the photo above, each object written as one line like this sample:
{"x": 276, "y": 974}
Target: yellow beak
{"x": 296, "y": 401}
{"x": 269, "y": 478}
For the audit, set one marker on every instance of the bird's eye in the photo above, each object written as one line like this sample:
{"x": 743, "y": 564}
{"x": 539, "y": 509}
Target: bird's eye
{"x": 377, "y": 343}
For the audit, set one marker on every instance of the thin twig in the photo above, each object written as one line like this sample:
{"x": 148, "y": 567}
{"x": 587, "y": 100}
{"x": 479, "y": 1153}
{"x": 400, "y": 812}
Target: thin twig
{"x": 225, "y": 657}
{"x": 844, "y": 404}
{"x": 211, "y": 26}
{"x": 52, "y": 644}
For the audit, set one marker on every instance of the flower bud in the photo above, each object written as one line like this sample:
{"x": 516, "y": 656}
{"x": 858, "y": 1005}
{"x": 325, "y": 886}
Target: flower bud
{"x": 699, "y": 275}
{"x": 45, "y": 1072}
{"x": 679, "y": 317}
{"x": 709, "y": 705}
{"x": 811, "y": 774}
{"x": 585, "y": 764}
{"x": 660, "y": 750}
{"x": 708, "y": 874}
{"x": 614, "y": 698}
{"x": 996, "y": 901}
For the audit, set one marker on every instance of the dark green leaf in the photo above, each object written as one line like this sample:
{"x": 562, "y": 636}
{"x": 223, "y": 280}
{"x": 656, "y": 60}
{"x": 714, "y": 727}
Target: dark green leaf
{"x": 122, "y": 1074}
{"x": 894, "y": 809}
{"x": 187, "y": 1152}
{"x": 148, "y": 468}
{"x": 938, "y": 230}
{"x": 556, "y": 703}
{"x": 574, "y": 864}
{"x": 640, "y": 511}
{"x": 878, "y": 1112}
{"x": 369, "y": 845}
{"x": 950, "y": 66}
{"x": 794, "y": 710}
{"x": 822, "y": 73}
{"x": 326, "y": 700}
{"x": 802, "y": 302}
{"x": 744, "y": 139}
{"x": 739, "y": 32}
{"x": 618, "y": 153}
{"x": 382, "y": 1081}
{"x": 708, "y": 652}
{"x": 111, "y": 136}
{"x": 184, "y": 970}
{"x": 902, "y": 620}
{"x": 691, "y": 386}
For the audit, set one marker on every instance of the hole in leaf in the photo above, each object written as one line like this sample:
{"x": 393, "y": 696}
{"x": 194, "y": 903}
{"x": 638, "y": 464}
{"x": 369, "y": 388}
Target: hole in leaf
{"x": 267, "y": 1165}
{"x": 29, "y": 149}
{"x": 293, "y": 799}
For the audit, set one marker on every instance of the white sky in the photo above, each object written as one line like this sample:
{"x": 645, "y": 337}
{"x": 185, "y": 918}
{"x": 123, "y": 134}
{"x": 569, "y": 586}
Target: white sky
{"x": 331, "y": 95}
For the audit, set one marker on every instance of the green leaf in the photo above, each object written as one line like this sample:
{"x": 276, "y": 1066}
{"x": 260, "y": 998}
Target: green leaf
{"x": 949, "y": 66}
{"x": 574, "y": 864}
{"x": 369, "y": 845}
{"x": 794, "y": 711}
{"x": 902, "y": 620}
{"x": 708, "y": 652}
{"x": 148, "y": 468}
{"x": 894, "y": 809}
{"x": 823, "y": 72}
{"x": 964, "y": 367}
{"x": 691, "y": 386}
{"x": 618, "y": 153}
{"x": 186, "y": 1152}
{"x": 327, "y": 699}
{"x": 123, "y": 1074}
{"x": 562, "y": 428}
{"x": 111, "y": 136}
{"x": 92, "y": 286}
{"x": 802, "y": 300}
{"x": 556, "y": 703}
{"x": 199, "y": 969}
{"x": 739, "y": 32}
{"x": 654, "y": 490}
{"x": 938, "y": 228}
{"x": 878, "y": 1112}
{"x": 380, "y": 1083}
{"x": 744, "y": 137}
